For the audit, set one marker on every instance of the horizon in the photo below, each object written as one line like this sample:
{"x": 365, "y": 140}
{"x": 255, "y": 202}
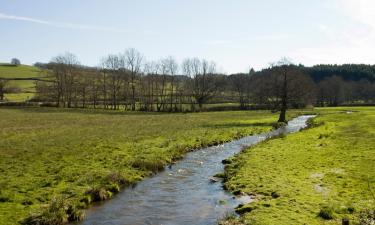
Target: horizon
{"x": 251, "y": 35}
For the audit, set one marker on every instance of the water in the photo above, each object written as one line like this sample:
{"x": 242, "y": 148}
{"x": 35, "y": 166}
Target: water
{"x": 184, "y": 193}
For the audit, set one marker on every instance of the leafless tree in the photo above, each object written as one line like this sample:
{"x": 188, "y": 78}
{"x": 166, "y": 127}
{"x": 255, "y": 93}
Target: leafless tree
{"x": 171, "y": 68}
{"x": 204, "y": 84}
{"x": 331, "y": 91}
{"x": 133, "y": 63}
{"x": 64, "y": 70}
{"x": 111, "y": 71}
{"x": 290, "y": 86}
{"x": 241, "y": 85}
{"x": 3, "y": 88}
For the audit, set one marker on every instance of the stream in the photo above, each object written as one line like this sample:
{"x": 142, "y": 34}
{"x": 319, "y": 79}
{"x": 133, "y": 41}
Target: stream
{"x": 183, "y": 193}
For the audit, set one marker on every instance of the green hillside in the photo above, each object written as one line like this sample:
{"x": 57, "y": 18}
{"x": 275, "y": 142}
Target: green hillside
{"x": 26, "y": 88}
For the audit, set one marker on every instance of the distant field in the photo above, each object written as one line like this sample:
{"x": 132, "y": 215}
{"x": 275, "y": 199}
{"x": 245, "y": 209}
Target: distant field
{"x": 48, "y": 152}
{"x": 27, "y": 87}
{"x": 317, "y": 176}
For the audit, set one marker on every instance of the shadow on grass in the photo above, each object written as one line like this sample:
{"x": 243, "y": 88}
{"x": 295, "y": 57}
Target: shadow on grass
{"x": 81, "y": 111}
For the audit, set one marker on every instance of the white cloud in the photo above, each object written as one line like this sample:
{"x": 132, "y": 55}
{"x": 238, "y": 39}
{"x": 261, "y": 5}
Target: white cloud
{"x": 360, "y": 10}
{"x": 264, "y": 37}
{"x": 61, "y": 25}
{"x": 353, "y": 44}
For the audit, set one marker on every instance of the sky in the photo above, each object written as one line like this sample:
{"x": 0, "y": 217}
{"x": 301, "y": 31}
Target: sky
{"x": 236, "y": 34}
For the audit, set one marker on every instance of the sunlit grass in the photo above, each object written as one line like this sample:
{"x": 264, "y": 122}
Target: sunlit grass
{"x": 317, "y": 176}
{"x": 25, "y": 88}
{"x": 84, "y": 155}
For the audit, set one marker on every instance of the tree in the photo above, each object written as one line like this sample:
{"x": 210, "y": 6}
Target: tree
{"x": 111, "y": 69}
{"x": 3, "y": 88}
{"x": 204, "y": 82}
{"x": 64, "y": 70}
{"x": 171, "y": 69}
{"x": 133, "y": 63}
{"x": 6, "y": 88}
{"x": 331, "y": 91}
{"x": 15, "y": 61}
{"x": 241, "y": 84}
{"x": 290, "y": 86}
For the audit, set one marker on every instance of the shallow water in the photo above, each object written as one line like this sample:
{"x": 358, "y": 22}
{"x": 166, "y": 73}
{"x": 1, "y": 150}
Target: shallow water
{"x": 182, "y": 194}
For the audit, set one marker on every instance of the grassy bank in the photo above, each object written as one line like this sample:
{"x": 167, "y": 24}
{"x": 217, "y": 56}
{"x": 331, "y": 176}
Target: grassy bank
{"x": 69, "y": 158}
{"x": 317, "y": 176}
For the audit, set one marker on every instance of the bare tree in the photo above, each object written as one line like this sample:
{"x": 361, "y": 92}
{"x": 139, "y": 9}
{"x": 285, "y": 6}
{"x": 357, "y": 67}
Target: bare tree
{"x": 331, "y": 91}
{"x": 290, "y": 86}
{"x": 204, "y": 82}
{"x": 133, "y": 63}
{"x": 171, "y": 67}
{"x": 64, "y": 70}
{"x": 241, "y": 84}
{"x": 3, "y": 88}
{"x": 111, "y": 70}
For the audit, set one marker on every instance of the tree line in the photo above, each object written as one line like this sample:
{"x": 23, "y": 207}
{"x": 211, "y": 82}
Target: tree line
{"x": 127, "y": 81}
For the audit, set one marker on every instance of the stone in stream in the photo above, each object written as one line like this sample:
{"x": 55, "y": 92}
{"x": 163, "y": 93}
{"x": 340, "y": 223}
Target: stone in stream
{"x": 214, "y": 179}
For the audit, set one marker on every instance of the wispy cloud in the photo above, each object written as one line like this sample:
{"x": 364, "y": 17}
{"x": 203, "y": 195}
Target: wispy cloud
{"x": 61, "y": 25}
{"x": 265, "y": 37}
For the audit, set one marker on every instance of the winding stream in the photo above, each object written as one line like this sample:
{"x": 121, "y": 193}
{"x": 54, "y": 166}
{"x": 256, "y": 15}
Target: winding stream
{"x": 182, "y": 194}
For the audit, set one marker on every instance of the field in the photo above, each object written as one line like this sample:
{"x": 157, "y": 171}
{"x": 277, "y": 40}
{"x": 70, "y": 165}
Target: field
{"x": 318, "y": 176}
{"x": 26, "y": 87}
{"x": 85, "y": 155}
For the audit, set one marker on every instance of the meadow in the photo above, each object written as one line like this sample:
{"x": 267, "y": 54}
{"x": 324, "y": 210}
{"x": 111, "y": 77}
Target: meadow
{"x": 54, "y": 162}
{"x": 26, "y": 88}
{"x": 317, "y": 176}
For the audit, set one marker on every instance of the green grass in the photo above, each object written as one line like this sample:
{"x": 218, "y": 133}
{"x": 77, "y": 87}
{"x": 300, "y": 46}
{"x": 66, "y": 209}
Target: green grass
{"x": 22, "y": 71}
{"x": 26, "y": 87}
{"x": 85, "y": 155}
{"x": 317, "y": 176}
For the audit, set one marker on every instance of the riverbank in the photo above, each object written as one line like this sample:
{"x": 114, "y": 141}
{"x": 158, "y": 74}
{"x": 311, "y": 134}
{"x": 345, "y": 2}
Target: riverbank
{"x": 318, "y": 176}
{"x": 55, "y": 162}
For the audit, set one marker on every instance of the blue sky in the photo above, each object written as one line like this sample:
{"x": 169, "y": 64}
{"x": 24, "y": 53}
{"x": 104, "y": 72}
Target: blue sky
{"x": 237, "y": 34}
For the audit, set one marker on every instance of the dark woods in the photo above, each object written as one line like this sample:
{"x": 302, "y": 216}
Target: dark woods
{"x": 126, "y": 81}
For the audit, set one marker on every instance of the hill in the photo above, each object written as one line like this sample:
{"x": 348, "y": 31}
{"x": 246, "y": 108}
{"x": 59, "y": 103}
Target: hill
{"x": 25, "y": 88}
{"x": 349, "y": 72}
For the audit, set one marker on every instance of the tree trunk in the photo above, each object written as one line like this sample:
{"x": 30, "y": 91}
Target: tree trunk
{"x": 282, "y": 115}
{"x": 284, "y": 101}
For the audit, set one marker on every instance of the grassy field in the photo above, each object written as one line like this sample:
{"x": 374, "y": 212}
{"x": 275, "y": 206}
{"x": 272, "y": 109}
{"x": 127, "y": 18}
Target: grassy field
{"x": 317, "y": 176}
{"x": 26, "y": 87}
{"x": 84, "y": 155}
